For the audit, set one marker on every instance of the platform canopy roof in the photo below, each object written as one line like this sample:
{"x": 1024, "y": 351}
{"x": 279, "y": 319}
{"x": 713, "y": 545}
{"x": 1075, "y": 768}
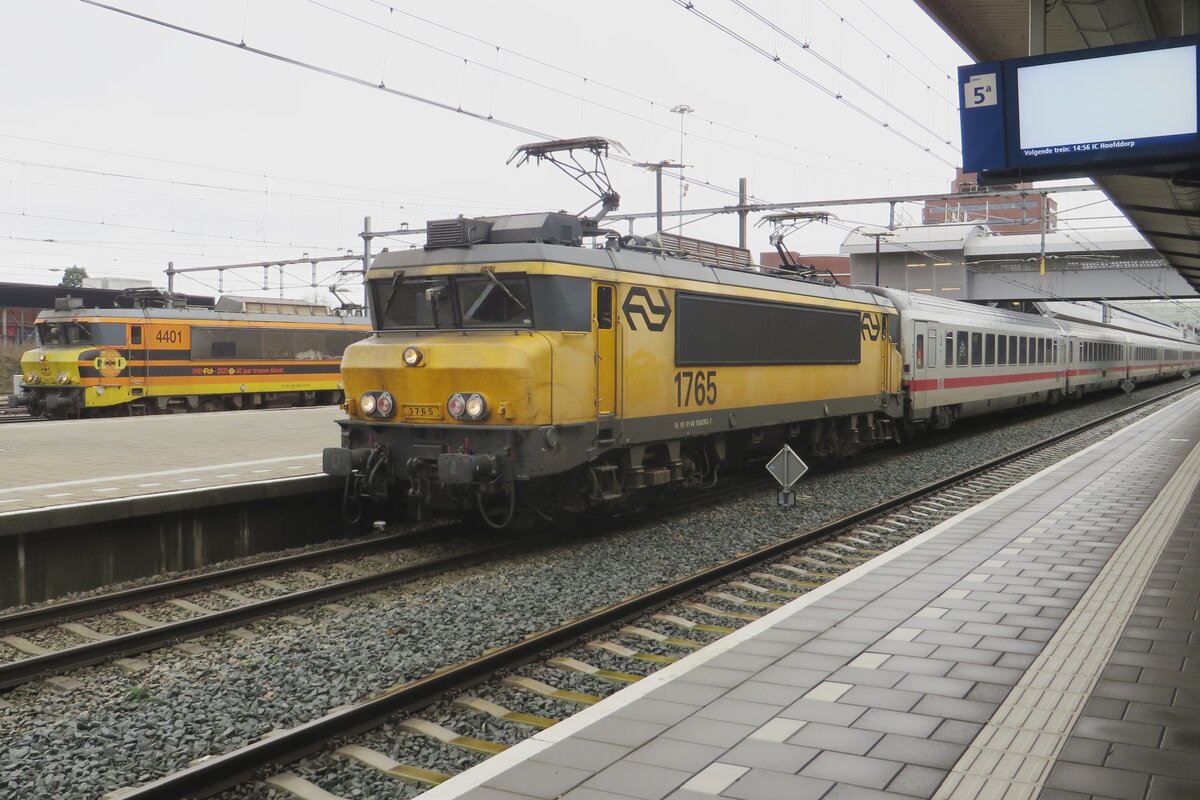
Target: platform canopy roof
{"x": 1164, "y": 207}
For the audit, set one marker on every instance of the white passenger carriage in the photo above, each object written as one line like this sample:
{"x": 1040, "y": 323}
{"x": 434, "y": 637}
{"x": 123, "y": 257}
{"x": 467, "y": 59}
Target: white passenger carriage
{"x": 961, "y": 360}
{"x": 1109, "y": 345}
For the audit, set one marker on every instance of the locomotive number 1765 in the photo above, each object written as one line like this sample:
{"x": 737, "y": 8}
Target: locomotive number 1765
{"x": 697, "y": 388}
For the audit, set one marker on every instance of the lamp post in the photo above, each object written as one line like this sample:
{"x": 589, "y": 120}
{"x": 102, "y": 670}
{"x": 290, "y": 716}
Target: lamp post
{"x": 682, "y": 109}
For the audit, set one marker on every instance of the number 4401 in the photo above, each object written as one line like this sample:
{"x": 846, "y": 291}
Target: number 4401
{"x": 695, "y": 388}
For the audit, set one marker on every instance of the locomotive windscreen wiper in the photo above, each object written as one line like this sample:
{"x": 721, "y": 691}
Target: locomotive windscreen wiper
{"x": 396, "y": 279}
{"x": 503, "y": 288}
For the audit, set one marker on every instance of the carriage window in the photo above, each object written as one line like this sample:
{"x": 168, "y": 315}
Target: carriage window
{"x": 949, "y": 348}
{"x": 1055, "y": 350}
{"x": 976, "y": 349}
{"x": 1003, "y": 355}
{"x": 920, "y": 355}
{"x": 1041, "y": 354}
{"x": 931, "y": 356}
{"x": 1021, "y": 350}
{"x": 990, "y": 346}
{"x": 961, "y": 358}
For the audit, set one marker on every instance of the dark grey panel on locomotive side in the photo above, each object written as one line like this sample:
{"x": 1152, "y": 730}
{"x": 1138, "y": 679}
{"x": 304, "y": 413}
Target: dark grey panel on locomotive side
{"x": 715, "y": 331}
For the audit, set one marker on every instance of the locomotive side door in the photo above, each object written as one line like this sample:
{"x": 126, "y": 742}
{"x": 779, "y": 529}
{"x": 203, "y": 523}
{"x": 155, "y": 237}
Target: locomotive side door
{"x": 139, "y": 361}
{"x": 604, "y": 323}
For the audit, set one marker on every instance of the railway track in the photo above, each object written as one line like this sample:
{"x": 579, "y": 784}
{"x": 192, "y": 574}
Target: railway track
{"x": 97, "y": 647}
{"x": 711, "y": 601}
{"x": 101, "y": 648}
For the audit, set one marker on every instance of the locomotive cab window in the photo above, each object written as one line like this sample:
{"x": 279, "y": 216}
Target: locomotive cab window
{"x": 604, "y": 307}
{"x": 494, "y": 300}
{"x": 135, "y": 334}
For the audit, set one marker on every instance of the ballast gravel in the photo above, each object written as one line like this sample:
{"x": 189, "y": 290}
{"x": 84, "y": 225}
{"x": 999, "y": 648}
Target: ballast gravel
{"x": 118, "y": 729}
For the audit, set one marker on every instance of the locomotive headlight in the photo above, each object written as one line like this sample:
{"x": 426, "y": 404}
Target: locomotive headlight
{"x": 476, "y": 407}
{"x": 385, "y": 404}
{"x": 42, "y": 357}
{"x": 32, "y": 378}
{"x": 64, "y": 377}
{"x": 366, "y": 404}
{"x": 413, "y": 357}
{"x": 456, "y": 405}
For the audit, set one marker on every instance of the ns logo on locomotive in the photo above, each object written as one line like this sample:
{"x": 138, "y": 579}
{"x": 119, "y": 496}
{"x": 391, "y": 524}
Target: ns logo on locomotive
{"x": 517, "y": 372}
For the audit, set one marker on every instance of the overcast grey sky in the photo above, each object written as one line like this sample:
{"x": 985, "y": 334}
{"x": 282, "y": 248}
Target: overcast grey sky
{"x": 130, "y": 144}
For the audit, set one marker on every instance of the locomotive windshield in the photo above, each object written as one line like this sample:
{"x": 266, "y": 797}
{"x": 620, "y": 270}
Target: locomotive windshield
{"x": 473, "y": 301}
{"x": 51, "y": 334}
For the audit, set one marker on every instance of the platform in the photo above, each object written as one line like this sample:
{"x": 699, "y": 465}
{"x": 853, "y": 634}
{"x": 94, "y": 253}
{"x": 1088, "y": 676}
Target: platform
{"x": 86, "y": 503}
{"x": 78, "y": 461}
{"x": 1042, "y": 644}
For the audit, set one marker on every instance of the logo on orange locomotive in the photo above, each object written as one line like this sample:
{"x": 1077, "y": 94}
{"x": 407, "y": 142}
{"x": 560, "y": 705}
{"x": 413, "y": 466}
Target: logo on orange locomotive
{"x": 110, "y": 363}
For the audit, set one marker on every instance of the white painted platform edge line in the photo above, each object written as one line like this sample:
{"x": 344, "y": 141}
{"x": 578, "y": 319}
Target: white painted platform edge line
{"x": 160, "y": 473}
{"x": 110, "y": 501}
{"x": 1148, "y": 537}
{"x": 163, "y": 418}
{"x": 486, "y": 770}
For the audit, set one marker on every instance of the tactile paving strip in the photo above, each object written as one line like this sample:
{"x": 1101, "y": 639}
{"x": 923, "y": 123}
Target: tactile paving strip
{"x": 1013, "y": 754}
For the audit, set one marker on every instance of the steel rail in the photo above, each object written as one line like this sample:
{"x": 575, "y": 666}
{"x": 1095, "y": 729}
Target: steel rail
{"x": 218, "y": 773}
{"x": 43, "y": 616}
{"x": 15, "y": 673}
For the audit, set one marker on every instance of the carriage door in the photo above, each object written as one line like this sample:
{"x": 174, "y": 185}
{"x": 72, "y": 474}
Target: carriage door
{"x": 606, "y": 352}
{"x": 925, "y": 344}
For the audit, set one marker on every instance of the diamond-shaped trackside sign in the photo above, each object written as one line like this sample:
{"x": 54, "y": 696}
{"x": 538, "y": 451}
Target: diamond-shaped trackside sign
{"x": 787, "y": 467}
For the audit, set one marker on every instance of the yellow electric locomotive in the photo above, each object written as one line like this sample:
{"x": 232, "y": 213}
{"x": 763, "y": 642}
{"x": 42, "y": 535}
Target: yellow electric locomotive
{"x": 146, "y": 359}
{"x": 512, "y": 367}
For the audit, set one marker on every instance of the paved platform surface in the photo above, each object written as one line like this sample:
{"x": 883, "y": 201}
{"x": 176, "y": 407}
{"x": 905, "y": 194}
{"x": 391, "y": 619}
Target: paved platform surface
{"x": 48, "y": 464}
{"x": 1044, "y": 644}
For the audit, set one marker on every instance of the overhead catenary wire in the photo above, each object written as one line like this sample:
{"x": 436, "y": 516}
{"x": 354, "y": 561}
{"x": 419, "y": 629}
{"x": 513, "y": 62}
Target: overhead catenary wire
{"x": 807, "y": 47}
{"x": 593, "y": 81}
{"x": 690, "y": 6}
{"x": 332, "y": 73}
